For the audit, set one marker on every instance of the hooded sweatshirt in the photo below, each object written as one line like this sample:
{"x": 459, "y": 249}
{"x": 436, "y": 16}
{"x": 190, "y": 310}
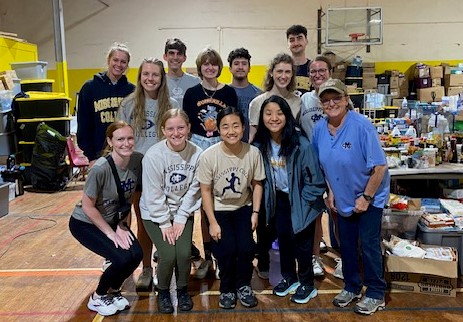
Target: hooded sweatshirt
{"x": 99, "y": 100}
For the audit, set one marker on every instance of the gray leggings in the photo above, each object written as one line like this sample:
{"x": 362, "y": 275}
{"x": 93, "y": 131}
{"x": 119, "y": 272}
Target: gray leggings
{"x": 172, "y": 257}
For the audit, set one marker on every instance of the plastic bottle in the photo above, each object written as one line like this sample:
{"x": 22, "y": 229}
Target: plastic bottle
{"x": 10, "y": 162}
{"x": 405, "y": 103}
{"x": 395, "y": 132}
{"x": 274, "y": 268}
{"x": 411, "y": 132}
{"x": 453, "y": 148}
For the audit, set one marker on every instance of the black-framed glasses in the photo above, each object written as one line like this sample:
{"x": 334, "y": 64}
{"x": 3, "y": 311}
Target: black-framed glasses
{"x": 336, "y": 100}
{"x": 321, "y": 71}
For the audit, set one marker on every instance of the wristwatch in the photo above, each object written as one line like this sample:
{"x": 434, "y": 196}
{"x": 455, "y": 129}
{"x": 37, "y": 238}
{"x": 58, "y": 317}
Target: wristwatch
{"x": 367, "y": 197}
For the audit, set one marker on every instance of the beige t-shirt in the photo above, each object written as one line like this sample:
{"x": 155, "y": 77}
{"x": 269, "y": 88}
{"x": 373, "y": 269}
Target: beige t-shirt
{"x": 293, "y": 100}
{"x": 230, "y": 176}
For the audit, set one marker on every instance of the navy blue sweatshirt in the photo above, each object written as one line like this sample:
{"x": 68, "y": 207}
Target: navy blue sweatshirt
{"x": 99, "y": 100}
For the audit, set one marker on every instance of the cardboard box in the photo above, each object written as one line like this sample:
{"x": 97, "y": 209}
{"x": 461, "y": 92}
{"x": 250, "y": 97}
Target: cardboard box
{"x": 436, "y": 72}
{"x": 425, "y": 94}
{"x": 397, "y": 102}
{"x": 453, "y": 80}
{"x": 456, "y": 90}
{"x": 368, "y": 75}
{"x": 368, "y": 65}
{"x": 436, "y": 82}
{"x": 426, "y": 276}
{"x": 394, "y": 82}
{"x": 7, "y": 81}
{"x": 367, "y": 70}
{"x": 370, "y": 83}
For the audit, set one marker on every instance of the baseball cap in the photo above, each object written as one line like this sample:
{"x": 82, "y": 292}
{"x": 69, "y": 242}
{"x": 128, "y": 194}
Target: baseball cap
{"x": 333, "y": 84}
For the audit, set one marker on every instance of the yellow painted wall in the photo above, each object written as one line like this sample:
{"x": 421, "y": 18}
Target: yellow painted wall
{"x": 77, "y": 77}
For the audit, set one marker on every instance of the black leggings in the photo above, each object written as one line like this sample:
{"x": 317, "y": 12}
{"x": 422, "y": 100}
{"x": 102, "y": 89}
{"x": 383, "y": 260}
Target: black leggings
{"x": 123, "y": 262}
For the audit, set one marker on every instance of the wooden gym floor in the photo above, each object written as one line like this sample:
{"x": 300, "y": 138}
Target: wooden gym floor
{"x": 46, "y": 275}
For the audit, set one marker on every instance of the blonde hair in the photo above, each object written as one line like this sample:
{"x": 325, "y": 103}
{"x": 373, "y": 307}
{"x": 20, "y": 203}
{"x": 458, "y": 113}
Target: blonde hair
{"x": 117, "y": 46}
{"x": 173, "y": 112}
{"x": 138, "y": 97}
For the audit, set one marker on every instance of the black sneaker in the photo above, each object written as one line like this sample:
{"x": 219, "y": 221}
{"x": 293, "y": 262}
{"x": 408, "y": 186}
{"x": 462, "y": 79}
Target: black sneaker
{"x": 246, "y": 296}
{"x": 164, "y": 302}
{"x": 184, "y": 300}
{"x": 227, "y": 300}
{"x": 285, "y": 287}
{"x": 303, "y": 294}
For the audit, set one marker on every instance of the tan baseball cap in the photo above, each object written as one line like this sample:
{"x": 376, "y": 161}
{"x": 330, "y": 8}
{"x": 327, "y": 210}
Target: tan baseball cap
{"x": 333, "y": 84}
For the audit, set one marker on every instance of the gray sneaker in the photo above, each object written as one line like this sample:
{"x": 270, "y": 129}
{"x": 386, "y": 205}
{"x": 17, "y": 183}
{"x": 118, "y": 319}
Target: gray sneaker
{"x": 345, "y": 298}
{"x": 369, "y": 306}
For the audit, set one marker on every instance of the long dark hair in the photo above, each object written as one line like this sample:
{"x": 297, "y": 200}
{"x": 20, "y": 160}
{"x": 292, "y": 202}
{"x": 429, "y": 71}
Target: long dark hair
{"x": 289, "y": 135}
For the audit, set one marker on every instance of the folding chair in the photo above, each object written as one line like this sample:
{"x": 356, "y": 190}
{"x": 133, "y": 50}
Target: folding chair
{"x": 77, "y": 159}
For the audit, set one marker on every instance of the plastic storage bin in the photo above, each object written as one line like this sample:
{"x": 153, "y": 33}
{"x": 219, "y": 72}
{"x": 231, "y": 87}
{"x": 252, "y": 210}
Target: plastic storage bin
{"x": 38, "y": 85}
{"x": 451, "y": 238}
{"x": 27, "y": 148}
{"x": 42, "y": 104}
{"x": 7, "y": 143}
{"x": 28, "y": 127}
{"x": 402, "y": 224}
{"x": 30, "y": 70}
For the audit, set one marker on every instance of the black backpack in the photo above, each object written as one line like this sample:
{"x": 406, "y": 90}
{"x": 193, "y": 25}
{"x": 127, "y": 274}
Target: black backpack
{"x": 49, "y": 171}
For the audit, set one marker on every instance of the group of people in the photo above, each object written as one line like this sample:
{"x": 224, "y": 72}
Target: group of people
{"x": 270, "y": 162}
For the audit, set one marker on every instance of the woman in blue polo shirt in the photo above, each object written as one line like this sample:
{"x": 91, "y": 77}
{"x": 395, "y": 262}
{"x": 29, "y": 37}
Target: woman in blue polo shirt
{"x": 356, "y": 171}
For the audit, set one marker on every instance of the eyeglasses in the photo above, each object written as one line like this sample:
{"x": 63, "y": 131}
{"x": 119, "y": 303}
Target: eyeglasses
{"x": 321, "y": 71}
{"x": 336, "y": 100}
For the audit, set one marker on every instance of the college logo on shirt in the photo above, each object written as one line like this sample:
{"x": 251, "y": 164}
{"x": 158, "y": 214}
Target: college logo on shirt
{"x": 346, "y": 145}
{"x": 177, "y": 178}
{"x": 128, "y": 185}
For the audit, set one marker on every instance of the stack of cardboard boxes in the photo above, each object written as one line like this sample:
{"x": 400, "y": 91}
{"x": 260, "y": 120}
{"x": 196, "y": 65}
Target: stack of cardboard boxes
{"x": 428, "y": 82}
{"x": 453, "y": 80}
{"x": 369, "y": 78}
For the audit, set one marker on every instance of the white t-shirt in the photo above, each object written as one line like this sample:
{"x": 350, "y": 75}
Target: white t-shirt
{"x": 311, "y": 112}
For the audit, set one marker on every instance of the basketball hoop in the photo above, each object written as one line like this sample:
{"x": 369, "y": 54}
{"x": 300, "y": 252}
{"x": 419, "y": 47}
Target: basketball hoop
{"x": 354, "y": 37}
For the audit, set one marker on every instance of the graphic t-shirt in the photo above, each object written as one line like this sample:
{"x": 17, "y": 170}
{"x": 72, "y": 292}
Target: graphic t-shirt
{"x": 230, "y": 176}
{"x": 202, "y": 106}
{"x": 278, "y": 164}
{"x": 302, "y": 79}
{"x": 148, "y": 135}
{"x": 100, "y": 184}
{"x": 311, "y": 112}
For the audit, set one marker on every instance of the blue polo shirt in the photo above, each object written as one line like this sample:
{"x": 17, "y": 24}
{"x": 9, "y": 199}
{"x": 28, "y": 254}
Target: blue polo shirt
{"x": 348, "y": 158}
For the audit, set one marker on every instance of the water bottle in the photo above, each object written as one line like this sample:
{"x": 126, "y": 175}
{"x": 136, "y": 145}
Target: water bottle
{"x": 10, "y": 162}
{"x": 274, "y": 269}
{"x": 405, "y": 104}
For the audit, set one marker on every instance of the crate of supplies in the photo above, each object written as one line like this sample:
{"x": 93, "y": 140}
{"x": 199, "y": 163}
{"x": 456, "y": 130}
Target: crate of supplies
{"x": 30, "y": 70}
{"x": 28, "y": 127}
{"x": 37, "y": 85}
{"x": 442, "y": 237}
{"x": 43, "y": 104}
{"x": 402, "y": 224}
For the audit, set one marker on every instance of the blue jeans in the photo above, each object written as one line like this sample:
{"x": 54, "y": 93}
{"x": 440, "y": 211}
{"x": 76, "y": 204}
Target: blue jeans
{"x": 204, "y": 142}
{"x": 365, "y": 228}
{"x": 235, "y": 250}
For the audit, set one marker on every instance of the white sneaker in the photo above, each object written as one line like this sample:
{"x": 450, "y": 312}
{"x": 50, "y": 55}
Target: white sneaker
{"x": 323, "y": 246}
{"x": 217, "y": 270}
{"x": 155, "y": 275}
{"x": 105, "y": 265}
{"x": 338, "y": 270}
{"x": 119, "y": 301}
{"x": 104, "y": 305}
{"x": 317, "y": 266}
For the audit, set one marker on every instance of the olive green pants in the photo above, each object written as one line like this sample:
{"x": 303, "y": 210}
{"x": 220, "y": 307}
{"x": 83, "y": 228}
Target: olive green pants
{"x": 172, "y": 257}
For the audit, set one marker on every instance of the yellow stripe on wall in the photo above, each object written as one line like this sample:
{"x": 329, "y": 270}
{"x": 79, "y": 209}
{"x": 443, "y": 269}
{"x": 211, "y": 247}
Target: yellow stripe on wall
{"x": 77, "y": 77}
